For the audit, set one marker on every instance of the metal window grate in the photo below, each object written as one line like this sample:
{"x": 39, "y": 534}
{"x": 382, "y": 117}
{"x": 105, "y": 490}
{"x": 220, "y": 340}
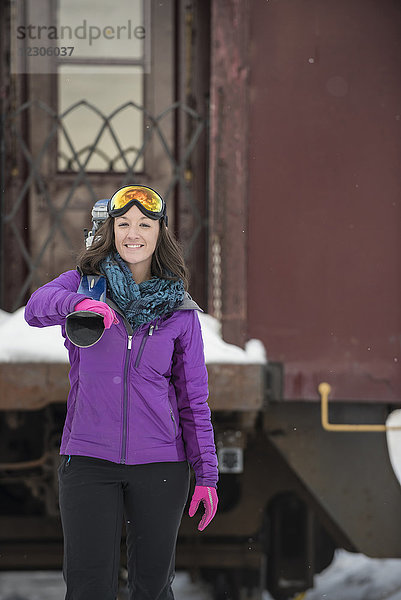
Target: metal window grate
{"x": 24, "y": 169}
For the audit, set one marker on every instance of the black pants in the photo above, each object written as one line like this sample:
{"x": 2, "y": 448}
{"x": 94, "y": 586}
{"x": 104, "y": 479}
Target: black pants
{"x": 95, "y": 496}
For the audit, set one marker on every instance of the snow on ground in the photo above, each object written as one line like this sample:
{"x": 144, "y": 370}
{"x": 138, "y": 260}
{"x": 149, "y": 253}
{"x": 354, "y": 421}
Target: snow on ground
{"x": 31, "y": 585}
{"x": 357, "y": 577}
{"x": 3, "y": 315}
{"x": 49, "y": 585}
{"x": 21, "y": 343}
{"x": 349, "y": 577}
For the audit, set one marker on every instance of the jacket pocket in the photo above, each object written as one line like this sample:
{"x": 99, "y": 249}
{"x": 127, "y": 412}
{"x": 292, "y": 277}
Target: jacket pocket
{"x": 173, "y": 419}
{"x": 143, "y": 343}
{"x": 64, "y": 464}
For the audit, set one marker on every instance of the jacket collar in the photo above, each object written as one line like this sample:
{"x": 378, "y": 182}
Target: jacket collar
{"x": 188, "y": 304}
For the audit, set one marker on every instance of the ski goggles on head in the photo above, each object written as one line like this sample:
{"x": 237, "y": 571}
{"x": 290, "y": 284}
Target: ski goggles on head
{"x": 149, "y": 202}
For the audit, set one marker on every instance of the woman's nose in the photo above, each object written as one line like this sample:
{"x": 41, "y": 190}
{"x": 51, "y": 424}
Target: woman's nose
{"x": 133, "y": 230}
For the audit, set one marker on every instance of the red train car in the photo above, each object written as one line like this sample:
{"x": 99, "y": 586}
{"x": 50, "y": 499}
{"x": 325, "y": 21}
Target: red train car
{"x": 272, "y": 126}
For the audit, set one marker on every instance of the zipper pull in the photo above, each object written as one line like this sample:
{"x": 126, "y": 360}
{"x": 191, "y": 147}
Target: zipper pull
{"x": 129, "y": 342}
{"x": 151, "y": 328}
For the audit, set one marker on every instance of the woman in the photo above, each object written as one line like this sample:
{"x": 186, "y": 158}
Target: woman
{"x": 137, "y": 412}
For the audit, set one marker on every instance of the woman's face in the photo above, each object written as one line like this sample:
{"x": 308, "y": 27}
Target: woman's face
{"x": 135, "y": 237}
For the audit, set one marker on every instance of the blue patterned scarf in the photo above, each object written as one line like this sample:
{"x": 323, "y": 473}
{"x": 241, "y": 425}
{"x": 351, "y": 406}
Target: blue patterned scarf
{"x": 140, "y": 303}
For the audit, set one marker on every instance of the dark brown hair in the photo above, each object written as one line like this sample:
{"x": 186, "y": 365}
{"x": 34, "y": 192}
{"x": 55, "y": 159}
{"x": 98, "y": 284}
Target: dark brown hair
{"x": 167, "y": 260}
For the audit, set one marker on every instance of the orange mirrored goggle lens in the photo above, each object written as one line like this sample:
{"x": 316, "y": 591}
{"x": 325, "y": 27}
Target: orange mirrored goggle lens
{"x": 148, "y": 198}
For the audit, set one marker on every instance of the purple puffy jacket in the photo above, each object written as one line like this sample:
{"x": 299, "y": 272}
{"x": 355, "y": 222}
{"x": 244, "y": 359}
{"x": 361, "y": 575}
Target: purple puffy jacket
{"x": 138, "y": 399}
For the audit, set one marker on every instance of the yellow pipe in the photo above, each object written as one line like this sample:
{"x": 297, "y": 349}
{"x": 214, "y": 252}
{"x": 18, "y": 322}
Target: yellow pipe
{"x": 324, "y": 391}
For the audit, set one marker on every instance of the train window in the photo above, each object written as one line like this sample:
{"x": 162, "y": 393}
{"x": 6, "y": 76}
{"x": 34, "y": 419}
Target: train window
{"x": 101, "y": 86}
{"x": 100, "y": 145}
{"x": 112, "y": 31}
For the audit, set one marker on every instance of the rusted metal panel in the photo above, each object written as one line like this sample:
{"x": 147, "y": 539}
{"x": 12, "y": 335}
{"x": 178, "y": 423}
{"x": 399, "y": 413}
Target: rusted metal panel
{"x": 31, "y": 386}
{"x": 30, "y": 542}
{"x": 31, "y": 555}
{"x": 21, "y": 528}
{"x": 350, "y": 382}
{"x": 236, "y": 387}
{"x": 192, "y": 88}
{"x": 37, "y": 555}
{"x": 324, "y": 286}
{"x": 36, "y": 542}
{"x": 228, "y": 200}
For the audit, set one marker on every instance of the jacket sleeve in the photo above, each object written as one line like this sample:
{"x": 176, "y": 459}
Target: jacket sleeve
{"x": 189, "y": 376}
{"x": 51, "y": 303}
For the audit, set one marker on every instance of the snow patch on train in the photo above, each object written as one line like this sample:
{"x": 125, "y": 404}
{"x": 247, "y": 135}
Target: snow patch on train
{"x": 21, "y": 343}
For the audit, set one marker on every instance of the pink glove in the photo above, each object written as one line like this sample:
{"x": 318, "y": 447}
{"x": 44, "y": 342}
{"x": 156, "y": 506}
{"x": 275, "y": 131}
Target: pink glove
{"x": 208, "y": 496}
{"x": 108, "y": 314}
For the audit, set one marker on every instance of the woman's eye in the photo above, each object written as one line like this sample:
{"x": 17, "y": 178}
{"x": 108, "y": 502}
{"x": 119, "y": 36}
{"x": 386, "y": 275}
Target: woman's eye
{"x": 144, "y": 225}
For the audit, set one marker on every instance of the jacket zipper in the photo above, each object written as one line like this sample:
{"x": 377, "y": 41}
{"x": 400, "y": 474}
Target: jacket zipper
{"x": 125, "y": 402}
{"x": 130, "y": 334}
{"x": 142, "y": 346}
{"x": 125, "y": 395}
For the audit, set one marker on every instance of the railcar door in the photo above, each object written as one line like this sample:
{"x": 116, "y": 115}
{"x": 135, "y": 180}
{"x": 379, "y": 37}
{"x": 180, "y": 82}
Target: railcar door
{"x": 95, "y": 101}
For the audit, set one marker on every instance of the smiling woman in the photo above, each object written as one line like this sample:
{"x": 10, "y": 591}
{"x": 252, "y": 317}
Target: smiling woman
{"x": 137, "y": 412}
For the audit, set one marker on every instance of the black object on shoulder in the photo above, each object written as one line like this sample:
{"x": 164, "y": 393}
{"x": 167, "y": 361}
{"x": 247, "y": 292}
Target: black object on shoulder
{"x": 84, "y": 328}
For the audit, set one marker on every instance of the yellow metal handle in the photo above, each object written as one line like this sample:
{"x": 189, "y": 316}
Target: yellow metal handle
{"x": 324, "y": 391}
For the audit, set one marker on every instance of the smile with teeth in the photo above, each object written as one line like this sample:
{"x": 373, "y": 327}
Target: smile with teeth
{"x": 133, "y": 245}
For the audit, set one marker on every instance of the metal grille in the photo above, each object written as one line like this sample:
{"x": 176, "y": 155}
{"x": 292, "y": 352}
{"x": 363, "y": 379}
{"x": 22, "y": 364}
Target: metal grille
{"x": 24, "y": 171}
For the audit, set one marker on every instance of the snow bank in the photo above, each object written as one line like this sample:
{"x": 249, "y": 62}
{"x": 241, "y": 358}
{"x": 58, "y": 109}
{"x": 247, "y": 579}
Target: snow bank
{"x": 21, "y": 343}
{"x": 357, "y": 577}
{"x": 218, "y": 351}
{"x": 3, "y": 315}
